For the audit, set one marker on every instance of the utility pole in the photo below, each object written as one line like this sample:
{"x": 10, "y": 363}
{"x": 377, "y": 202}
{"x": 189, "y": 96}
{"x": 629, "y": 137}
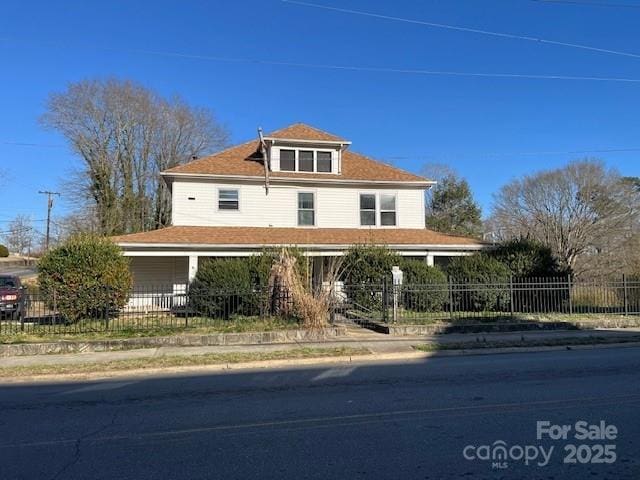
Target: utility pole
{"x": 49, "y": 207}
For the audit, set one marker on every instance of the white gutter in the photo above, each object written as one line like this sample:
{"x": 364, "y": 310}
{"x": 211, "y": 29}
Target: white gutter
{"x": 282, "y": 179}
{"x": 315, "y": 246}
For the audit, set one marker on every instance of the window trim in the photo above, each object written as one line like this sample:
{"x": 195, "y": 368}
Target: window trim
{"x": 378, "y": 211}
{"x": 314, "y": 210}
{"x": 374, "y": 210}
{"x": 237, "y": 189}
{"x": 395, "y": 208}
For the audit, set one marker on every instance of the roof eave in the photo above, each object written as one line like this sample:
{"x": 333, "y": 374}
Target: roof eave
{"x": 286, "y": 179}
{"x": 308, "y": 141}
{"x": 236, "y": 246}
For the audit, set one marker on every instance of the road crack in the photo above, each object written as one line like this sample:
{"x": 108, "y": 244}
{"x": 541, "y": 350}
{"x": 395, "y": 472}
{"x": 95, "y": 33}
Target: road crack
{"x": 77, "y": 451}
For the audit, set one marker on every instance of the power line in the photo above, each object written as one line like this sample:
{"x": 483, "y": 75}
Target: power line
{"x": 357, "y": 68}
{"x": 516, "y": 154}
{"x": 587, "y": 3}
{"x": 26, "y": 144}
{"x": 465, "y": 29}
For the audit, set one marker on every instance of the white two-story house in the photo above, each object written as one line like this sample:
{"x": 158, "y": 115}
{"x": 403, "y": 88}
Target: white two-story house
{"x": 296, "y": 186}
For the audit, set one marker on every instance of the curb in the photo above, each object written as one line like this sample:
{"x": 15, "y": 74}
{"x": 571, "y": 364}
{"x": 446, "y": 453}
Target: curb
{"x": 185, "y": 340}
{"x": 266, "y": 364}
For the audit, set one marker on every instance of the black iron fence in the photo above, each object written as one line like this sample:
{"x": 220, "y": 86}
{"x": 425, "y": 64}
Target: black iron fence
{"x": 491, "y": 299}
{"x": 149, "y": 308}
{"x": 168, "y": 307}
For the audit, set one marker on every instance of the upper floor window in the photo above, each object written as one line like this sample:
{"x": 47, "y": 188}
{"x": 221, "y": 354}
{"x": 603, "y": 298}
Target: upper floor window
{"x": 308, "y": 161}
{"x": 228, "y": 200}
{"x": 306, "y": 209}
{"x": 288, "y": 160}
{"x": 324, "y": 162}
{"x": 367, "y": 209}
{"x": 387, "y": 209}
{"x": 305, "y": 160}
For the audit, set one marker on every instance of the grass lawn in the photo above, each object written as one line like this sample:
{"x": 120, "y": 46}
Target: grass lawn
{"x": 127, "y": 327}
{"x": 179, "y": 361}
{"x": 553, "y": 342}
{"x": 407, "y": 317}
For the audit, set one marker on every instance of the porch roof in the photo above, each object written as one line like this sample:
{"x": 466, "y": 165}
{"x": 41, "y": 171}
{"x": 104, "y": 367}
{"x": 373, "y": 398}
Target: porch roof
{"x": 192, "y": 236}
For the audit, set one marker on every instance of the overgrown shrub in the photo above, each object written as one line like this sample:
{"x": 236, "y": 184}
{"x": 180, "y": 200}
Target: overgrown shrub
{"x": 223, "y": 287}
{"x": 425, "y": 287}
{"x": 86, "y": 277}
{"x": 365, "y": 267}
{"x": 237, "y": 286}
{"x": 480, "y": 283}
{"x": 528, "y": 258}
{"x": 4, "y": 251}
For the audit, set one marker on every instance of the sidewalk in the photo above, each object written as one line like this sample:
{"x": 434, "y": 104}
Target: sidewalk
{"x": 380, "y": 346}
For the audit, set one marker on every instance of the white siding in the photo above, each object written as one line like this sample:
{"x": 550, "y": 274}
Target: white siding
{"x": 159, "y": 274}
{"x": 336, "y": 207}
{"x": 159, "y": 283}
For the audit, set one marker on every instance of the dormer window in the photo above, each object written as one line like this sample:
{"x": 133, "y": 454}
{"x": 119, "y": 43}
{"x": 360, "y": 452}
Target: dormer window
{"x": 288, "y": 160}
{"x": 305, "y": 160}
{"x": 324, "y": 162}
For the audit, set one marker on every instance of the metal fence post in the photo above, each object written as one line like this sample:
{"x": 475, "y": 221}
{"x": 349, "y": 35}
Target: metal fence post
{"x": 511, "y": 294}
{"x": 450, "y": 284}
{"x": 385, "y": 300}
{"x": 569, "y": 294}
{"x": 626, "y": 294}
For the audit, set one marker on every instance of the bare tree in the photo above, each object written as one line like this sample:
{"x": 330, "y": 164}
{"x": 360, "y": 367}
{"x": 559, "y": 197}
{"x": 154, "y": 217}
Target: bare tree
{"x": 581, "y": 211}
{"x": 126, "y": 135}
{"x": 20, "y": 235}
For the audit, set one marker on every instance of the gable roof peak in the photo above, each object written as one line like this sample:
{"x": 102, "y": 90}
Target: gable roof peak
{"x": 303, "y": 131}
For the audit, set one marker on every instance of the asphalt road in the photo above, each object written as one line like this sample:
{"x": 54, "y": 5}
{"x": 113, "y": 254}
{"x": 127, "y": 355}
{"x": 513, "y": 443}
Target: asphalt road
{"x": 386, "y": 420}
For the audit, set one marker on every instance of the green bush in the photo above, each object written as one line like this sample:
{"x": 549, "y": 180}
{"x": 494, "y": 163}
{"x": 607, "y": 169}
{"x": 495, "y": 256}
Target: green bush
{"x": 4, "y": 251}
{"x": 528, "y": 258}
{"x": 480, "y": 283}
{"x": 365, "y": 269}
{"x": 86, "y": 277}
{"x": 425, "y": 287}
{"x": 223, "y": 287}
{"x": 236, "y": 286}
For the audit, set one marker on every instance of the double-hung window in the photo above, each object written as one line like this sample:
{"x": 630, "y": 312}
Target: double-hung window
{"x": 288, "y": 160}
{"x": 367, "y": 209}
{"x": 306, "y": 209}
{"x": 228, "y": 200}
{"x": 387, "y": 209}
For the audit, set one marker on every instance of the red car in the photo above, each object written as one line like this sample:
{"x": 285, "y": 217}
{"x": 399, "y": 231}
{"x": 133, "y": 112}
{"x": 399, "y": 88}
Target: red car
{"x": 12, "y": 297}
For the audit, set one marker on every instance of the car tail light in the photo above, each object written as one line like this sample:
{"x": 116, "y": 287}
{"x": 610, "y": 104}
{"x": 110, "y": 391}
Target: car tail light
{"x": 9, "y": 297}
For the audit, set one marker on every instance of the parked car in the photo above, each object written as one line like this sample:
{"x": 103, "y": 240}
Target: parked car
{"x": 12, "y": 297}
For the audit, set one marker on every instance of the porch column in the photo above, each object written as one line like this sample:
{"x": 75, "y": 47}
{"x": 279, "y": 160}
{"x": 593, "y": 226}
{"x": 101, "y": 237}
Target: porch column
{"x": 429, "y": 259}
{"x": 193, "y": 267}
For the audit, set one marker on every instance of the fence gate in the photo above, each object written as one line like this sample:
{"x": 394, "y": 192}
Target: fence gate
{"x": 363, "y": 304}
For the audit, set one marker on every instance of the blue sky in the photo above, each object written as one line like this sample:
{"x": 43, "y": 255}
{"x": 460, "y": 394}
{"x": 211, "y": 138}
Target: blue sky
{"x": 488, "y": 129}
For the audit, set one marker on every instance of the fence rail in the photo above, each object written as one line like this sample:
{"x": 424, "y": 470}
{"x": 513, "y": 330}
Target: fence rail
{"x": 170, "y": 307}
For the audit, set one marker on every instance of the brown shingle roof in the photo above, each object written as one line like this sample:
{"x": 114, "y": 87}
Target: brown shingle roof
{"x": 184, "y": 235}
{"x": 301, "y": 131}
{"x": 245, "y": 160}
